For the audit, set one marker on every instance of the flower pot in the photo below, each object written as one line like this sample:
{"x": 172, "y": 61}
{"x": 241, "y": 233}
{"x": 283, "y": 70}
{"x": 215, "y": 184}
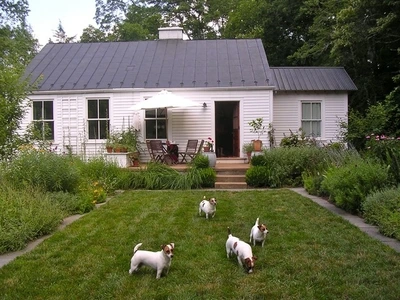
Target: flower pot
{"x": 109, "y": 149}
{"x": 206, "y": 149}
{"x": 212, "y": 158}
{"x": 257, "y": 144}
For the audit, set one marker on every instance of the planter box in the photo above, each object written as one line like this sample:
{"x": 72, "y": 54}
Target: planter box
{"x": 121, "y": 159}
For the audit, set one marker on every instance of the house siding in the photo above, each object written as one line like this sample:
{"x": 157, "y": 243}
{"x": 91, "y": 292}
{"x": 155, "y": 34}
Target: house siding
{"x": 287, "y": 113}
{"x": 70, "y": 115}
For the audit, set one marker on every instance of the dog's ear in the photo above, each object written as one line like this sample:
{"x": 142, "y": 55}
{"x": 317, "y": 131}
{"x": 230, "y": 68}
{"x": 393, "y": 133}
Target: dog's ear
{"x": 254, "y": 257}
{"x": 173, "y": 245}
{"x": 163, "y": 246}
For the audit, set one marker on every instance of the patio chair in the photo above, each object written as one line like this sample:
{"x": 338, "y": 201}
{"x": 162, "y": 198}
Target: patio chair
{"x": 152, "y": 158}
{"x": 159, "y": 153}
{"x": 190, "y": 151}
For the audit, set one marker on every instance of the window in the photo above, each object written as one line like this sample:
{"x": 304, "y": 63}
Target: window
{"x": 98, "y": 118}
{"x": 43, "y": 118}
{"x": 156, "y": 123}
{"x": 311, "y": 118}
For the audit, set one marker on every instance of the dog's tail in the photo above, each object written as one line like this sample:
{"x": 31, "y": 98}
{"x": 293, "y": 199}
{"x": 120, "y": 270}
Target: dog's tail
{"x": 136, "y": 248}
{"x": 258, "y": 219}
{"x": 229, "y": 231}
{"x": 204, "y": 198}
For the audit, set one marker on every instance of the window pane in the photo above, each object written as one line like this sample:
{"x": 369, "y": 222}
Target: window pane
{"x": 49, "y": 133}
{"x": 316, "y": 111}
{"x": 103, "y": 108}
{"x": 306, "y": 127}
{"x": 92, "y": 109}
{"x": 306, "y": 111}
{"x": 161, "y": 129}
{"x": 103, "y": 129}
{"x": 161, "y": 112}
{"x": 48, "y": 110}
{"x": 37, "y": 110}
{"x": 151, "y": 129}
{"x": 316, "y": 129}
{"x": 93, "y": 130}
{"x": 150, "y": 113}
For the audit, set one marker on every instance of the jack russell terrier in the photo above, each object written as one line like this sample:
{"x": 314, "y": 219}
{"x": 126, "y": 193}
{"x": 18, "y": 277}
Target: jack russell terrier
{"x": 208, "y": 206}
{"x": 242, "y": 250}
{"x": 258, "y": 233}
{"x": 159, "y": 261}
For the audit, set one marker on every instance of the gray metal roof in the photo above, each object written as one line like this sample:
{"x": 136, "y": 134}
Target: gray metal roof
{"x": 311, "y": 79}
{"x": 151, "y": 64}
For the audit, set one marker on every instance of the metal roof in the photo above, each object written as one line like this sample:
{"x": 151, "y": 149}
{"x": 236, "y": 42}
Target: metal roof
{"x": 151, "y": 64}
{"x": 311, "y": 79}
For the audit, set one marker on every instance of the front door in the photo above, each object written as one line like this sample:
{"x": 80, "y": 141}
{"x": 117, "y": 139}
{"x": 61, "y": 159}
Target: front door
{"x": 227, "y": 128}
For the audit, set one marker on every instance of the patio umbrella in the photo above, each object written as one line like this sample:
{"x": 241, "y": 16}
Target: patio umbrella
{"x": 164, "y": 99}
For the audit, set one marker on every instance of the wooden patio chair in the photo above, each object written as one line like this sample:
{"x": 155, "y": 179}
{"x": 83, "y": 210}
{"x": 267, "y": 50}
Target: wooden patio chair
{"x": 159, "y": 153}
{"x": 152, "y": 158}
{"x": 190, "y": 151}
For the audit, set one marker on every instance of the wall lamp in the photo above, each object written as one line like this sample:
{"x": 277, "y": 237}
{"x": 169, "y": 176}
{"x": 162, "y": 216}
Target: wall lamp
{"x": 204, "y": 104}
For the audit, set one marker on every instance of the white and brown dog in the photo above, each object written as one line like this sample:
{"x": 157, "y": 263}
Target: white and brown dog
{"x": 258, "y": 233}
{"x": 242, "y": 250}
{"x": 159, "y": 261}
{"x": 209, "y": 207}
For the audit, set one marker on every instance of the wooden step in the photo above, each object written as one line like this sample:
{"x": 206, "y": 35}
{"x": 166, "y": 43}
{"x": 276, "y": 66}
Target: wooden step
{"x": 230, "y": 185}
{"x": 230, "y": 178}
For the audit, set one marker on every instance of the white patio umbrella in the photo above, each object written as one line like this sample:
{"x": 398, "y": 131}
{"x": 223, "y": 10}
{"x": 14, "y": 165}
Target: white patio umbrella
{"x": 164, "y": 99}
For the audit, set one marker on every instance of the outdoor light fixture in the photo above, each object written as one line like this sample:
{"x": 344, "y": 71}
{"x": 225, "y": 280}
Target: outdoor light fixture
{"x": 204, "y": 104}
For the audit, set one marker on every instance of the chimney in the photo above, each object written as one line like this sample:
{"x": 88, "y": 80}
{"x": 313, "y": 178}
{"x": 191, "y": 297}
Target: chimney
{"x": 170, "y": 33}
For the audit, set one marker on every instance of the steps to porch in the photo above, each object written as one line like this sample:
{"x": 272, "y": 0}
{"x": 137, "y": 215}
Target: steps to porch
{"x": 231, "y": 173}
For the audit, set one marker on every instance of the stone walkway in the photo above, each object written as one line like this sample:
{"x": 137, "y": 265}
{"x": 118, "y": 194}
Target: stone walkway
{"x": 356, "y": 221}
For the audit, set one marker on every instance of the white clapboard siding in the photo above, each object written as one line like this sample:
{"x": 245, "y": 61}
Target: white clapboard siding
{"x": 287, "y": 113}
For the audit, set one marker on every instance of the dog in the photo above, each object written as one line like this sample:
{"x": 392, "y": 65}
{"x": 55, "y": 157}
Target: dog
{"x": 258, "y": 233}
{"x": 208, "y": 206}
{"x": 242, "y": 250}
{"x": 159, "y": 261}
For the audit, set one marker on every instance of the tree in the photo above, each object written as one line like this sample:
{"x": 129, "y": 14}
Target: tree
{"x": 17, "y": 47}
{"x": 91, "y": 35}
{"x": 61, "y": 36}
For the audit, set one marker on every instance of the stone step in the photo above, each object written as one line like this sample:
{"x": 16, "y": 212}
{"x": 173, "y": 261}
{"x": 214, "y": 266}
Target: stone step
{"x": 230, "y": 185}
{"x": 230, "y": 178}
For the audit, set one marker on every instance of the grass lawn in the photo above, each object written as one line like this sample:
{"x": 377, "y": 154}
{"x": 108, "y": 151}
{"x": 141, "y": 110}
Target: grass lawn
{"x": 310, "y": 253}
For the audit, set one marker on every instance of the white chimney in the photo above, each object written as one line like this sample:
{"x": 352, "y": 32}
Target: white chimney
{"x": 170, "y": 33}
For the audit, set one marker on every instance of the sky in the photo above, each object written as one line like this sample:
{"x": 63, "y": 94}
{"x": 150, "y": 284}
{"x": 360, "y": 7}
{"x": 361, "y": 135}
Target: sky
{"x": 75, "y": 15}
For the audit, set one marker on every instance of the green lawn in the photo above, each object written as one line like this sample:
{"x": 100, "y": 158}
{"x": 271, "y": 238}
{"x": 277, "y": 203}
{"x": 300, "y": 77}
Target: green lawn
{"x": 310, "y": 253}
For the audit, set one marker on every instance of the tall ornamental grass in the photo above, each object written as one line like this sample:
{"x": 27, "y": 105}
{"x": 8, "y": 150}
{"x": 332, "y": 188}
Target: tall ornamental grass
{"x": 47, "y": 170}
{"x": 24, "y": 216}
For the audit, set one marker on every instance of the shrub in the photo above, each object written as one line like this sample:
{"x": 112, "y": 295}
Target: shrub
{"x": 48, "y": 170}
{"x": 258, "y": 160}
{"x": 387, "y": 150}
{"x": 313, "y": 184}
{"x": 349, "y": 185}
{"x": 200, "y": 162}
{"x": 25, "y": 214}
{"x": 208, "y": 177}
{"x": 382, "y": 208}
{"x": 257, "y": 176}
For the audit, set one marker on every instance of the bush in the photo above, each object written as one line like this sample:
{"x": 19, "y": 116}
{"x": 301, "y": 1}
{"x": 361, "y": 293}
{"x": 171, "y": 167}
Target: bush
{"x": 47, "y": 170}
{"x": 257, "y": 176}
{"x": 313, "y": 184}
{"x": 24, "y": 216}
{"x": 200, "y": 162}
{"x": 349, "y": 185}
{"x": 383, "y": 209}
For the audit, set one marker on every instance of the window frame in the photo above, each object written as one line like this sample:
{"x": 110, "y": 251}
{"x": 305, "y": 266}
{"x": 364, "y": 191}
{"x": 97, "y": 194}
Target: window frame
{"x": 44, "y": 120}
{"x": 312, "y": 120}
{"x": 98, "y": 119}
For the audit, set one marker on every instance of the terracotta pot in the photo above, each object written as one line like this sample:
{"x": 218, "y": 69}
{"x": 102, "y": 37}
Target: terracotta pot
{"x": 257, "y": 144}
{"x": 109, "y": 149}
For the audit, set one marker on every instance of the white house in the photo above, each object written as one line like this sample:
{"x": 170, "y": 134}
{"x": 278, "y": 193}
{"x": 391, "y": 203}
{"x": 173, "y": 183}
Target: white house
{"x": 85, "y": 86}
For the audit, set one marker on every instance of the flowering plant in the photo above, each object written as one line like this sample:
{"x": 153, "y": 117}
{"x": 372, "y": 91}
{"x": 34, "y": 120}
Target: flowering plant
{"x": 210, "y": 143}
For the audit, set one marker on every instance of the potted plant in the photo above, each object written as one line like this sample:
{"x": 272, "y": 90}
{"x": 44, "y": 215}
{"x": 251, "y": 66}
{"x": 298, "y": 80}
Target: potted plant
{"x": 248, "y": 148}
{"x": 257, "y": 127}
{"x": 130, "y": 139}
